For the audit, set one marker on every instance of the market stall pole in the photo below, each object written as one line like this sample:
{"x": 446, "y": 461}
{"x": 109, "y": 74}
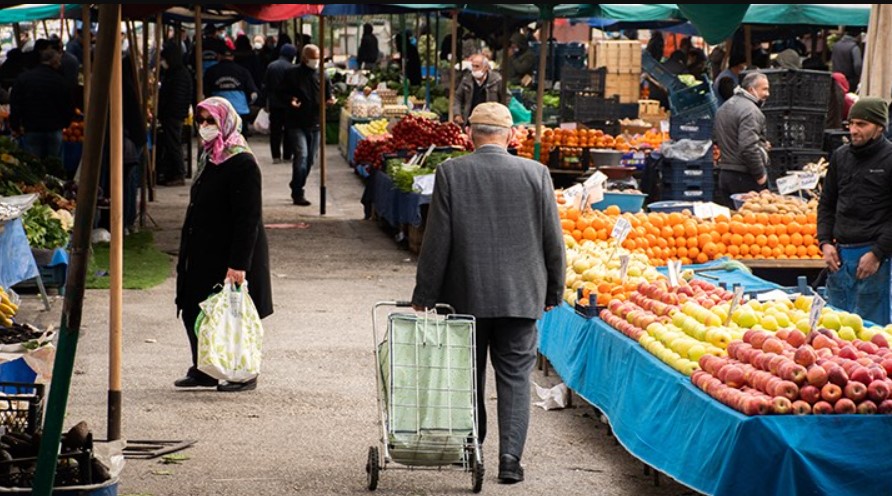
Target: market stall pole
{"x": 322, "y": 109}
{"x": 150, "y": 170}
{"x": 452, "y": 63}
{"x": 87, "y": 34}
{"x": 199, "y": 71}
{"x": 430, "y": 58}
{"x": 144, "y": 180}
{"x": 506, "y": 40}
{"x": 540, "y": 87}
{"x": 109, "y": 14}
{"x": 116, "y": 251}
{"x": 404, "y": 42}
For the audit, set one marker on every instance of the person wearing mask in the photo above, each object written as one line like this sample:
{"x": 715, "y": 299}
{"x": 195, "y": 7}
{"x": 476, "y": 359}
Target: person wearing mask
{"x": 729, "y": 79}
{"x": 740, "y": 135}
{"x": 41, "y": 106}
{"x": 277, "y": 104}
{"x": 301, "y": 90}
{"x": 244, "y": 56}
{"x": 268, "y": 51}
{"x": 222, "y": 236}
{"x": 855, "y": 216}
{"x": 232, "y": 82}
{"x": 481, "y": 85}
{"x": 846, "y": 58}
{"x": 464, "y": 258}
{"x": 520, "y": 59}
{"x": 367, "y": 57}
{"x": 413, "y": 58}
{"x": 174, "y": 99}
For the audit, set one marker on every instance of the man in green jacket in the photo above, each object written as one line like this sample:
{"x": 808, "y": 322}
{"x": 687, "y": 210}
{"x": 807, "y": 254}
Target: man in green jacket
{"x": 481, "y": 85}
{"x": 521, "y": 60}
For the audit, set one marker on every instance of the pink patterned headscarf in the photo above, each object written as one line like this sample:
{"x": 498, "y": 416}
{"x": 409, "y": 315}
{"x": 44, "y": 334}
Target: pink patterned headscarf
{"x": 230, "y": 141}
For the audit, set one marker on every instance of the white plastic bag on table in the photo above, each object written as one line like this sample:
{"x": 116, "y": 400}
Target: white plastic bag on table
{"x": 261, "y": 122}
{"x": 230, "y": 335}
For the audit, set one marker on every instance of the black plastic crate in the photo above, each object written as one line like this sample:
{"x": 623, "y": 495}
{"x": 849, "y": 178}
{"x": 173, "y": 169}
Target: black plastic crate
{"x": 835, "y": 138}
{"x": 783, "y": 161}
{"x": 559, "y": 57}
{"x": 659, "y": 73}
{"x": 697, "y": 128}
{"x": 72, "y": 469}
{"x": 688, "y": 169}
{"x": 574, "y": 79}
{"x": 696, "y": 97}
{"x": 685, "y": 183}
{"x": 21, "y": 407}
{"x": 795, "y": 128}
{"x": 590, "y": 107}
{"x": 798, "y": 89}
{"x": 693, "y": 195}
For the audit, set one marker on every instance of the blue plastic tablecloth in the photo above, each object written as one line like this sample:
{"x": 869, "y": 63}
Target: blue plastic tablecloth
{"x": 394, "y": 206}
{"x": 16, "y": 261}
{"x": 353, "y": 139}
{"x": 663, "y": 419}
{"x": 751, "y": 283}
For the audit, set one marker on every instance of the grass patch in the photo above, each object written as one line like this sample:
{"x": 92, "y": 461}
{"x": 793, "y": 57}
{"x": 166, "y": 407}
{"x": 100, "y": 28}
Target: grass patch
{"x": 144, "y": 265}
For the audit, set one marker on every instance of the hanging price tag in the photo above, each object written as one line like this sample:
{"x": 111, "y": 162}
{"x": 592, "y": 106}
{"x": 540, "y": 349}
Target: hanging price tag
{"x": 735, "y": 302}
{"x": 621, "y": 230}
{"x": 623, "y": 267}
{"x": 673, "y": 272}
{"x": 575, "y": 195}
{"x": 808, "y": 180}
{"x": 787, "y": 185}
{"x": 817, "y": 306}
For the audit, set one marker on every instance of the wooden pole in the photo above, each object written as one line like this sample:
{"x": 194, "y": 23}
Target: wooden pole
{"x": 540, "y": 86}
{"x": 748, "y": 44}
{"x": 404, "y": 42}
{"x": 430, "y": 61}
{"x": 116, "y": 250}
{"x": 454, "y": 60}
{"x": 155, "y": 88}
{"x": 87, "y": 42}
{"x": 72, "y": 311}
{"x": 17, "y": 32}
{"x": 506, "y": 40}
{"x": 199, "y": 71}
{"x": 46, "y": 32}
{"x": 322, "y": 105}
{"x": 144, "y": 180}
{"x": 437, "y": 58}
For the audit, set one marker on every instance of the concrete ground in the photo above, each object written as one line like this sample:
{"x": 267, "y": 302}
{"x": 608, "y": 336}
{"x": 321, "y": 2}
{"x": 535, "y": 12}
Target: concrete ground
{"x": 308, "y": 426}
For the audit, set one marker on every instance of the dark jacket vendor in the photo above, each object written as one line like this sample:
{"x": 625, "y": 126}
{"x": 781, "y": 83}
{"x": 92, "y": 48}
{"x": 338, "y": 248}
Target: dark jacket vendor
{"x": 855, "y": 216}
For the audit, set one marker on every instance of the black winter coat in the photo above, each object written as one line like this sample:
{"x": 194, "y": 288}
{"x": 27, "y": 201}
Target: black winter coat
{"x": 224, "y": 229}
{"x": 302, "y": 83}
{"x": 40, "y": 101}
{"x": 175, "y": 93}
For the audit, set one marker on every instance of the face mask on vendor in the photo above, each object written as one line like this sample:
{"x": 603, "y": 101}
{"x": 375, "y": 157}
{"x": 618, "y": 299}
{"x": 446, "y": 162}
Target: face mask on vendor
{"x": 313, "y": 63}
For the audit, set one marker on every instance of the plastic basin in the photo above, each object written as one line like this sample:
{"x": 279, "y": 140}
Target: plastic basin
{"x": 669, "y": 207}
{"x": 627, "y": 202}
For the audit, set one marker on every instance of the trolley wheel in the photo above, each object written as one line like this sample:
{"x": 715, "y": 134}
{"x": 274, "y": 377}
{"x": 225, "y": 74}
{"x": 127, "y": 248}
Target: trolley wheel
{"x": 372, "y": 468}
{"x": 477, "y": 473}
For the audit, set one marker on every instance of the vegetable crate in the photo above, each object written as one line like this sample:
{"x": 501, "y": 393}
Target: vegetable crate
{"x": 21, "y": 407}
{"x": 693, "y": 128}
{"x": 560, "y": 56}
{"x": 795, "y": 128}
{"x": 72, "y": 469}
{"x": 660, "y": 74}
{"x": 618, "y": 56}
{"x": 573, "y": 79}
{"x": 698, "y": 97}
{"x": 686, "y": 170}
{"x": 627, "y": 87}
{"x": 784, "y": 160}
{"x": 798, "y": 89}
{"x": 590, "y": 107}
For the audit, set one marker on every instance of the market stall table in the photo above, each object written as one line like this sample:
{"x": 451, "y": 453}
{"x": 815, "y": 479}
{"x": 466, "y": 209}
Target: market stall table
{"x": 394, "y": 206}
{"x": 16, "y": 261}
{"x": 660, "y": 417}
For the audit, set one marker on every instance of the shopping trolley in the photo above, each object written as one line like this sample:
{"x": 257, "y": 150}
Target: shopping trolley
{"x": 426, "y": 370}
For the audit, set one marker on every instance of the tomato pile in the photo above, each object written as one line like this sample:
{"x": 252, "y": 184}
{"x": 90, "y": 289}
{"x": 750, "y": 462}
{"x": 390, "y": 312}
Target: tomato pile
{"x": 411, "y": 133}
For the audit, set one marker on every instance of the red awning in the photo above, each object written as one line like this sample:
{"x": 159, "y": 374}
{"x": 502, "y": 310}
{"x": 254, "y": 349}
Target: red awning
{"x": 273, "y": 12}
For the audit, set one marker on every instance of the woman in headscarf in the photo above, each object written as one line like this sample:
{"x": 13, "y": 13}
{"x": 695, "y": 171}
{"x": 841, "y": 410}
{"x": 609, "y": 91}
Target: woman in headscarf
{"x": 223, "y": 235}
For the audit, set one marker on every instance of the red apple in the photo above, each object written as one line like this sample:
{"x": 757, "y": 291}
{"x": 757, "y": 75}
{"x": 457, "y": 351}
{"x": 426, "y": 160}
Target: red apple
{"x": 880, "y": 341}
{"x": 865, "y": 361}
{"x": 781, "y": 405}
{"x": 796, "y": 338}
{"x": 861, "y": 375}
{"x": 878, "y": 391}
{"x": 734, "y": 377}
{"x": 869, "y": 347}
{"x": 855, "y": 391}
{"x": 797, "y": 374}
{"x": 817, "y": 376}
{"x": 824, "y": 353}
{"x": 748, "y": 336}
{"x": 764, "y": 361}
{"x": 788, "y": 390}
{"x": 810, "y": 394}
{"x": 775, "y": 364}
{"x": 838, "y": 377}
{"x": 885, "y": 407}
{"x": 773, "y": 345}
{"x": 877, "y": 372}
{"x": 756, "y": 405}
{"x": 822, "y": 341}
{"x": 844, "y": 406}
{"x": 831, "y": 393}
{"x": 782, "y": 334}
{"x": 823, "y": 408}
{"x": 867, "y": 408}
{"x": 801, "y": 408}
{"x": 848, "y": 352}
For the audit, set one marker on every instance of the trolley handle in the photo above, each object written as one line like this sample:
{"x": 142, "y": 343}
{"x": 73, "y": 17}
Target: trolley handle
{"x": 408, "y": 304}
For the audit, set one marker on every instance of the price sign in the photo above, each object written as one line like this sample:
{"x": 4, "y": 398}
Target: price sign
{"x": 575, "y": 195}
{"x": 709, "y": 210}
{"x": 817, "y": 305}
{"x": 808, "y": 180}
{"x": 735, "y": 302}
{"x": 621, "y": 230}
{"x": 787, "y": 185}
{"x": 673, "y": 269}
{"x": 623, "y": 267}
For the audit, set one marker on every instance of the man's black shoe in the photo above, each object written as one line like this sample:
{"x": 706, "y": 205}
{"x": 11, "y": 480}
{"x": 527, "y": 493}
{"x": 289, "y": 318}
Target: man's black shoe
{"x": 303, "y": 202}
{"x": 510, "y": 471}
{"x": 192, "y": 382}
{"x": 234, "y": 387}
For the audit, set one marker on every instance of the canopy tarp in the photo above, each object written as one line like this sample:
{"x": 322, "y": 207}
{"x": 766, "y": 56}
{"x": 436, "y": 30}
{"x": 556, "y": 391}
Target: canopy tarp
{"x": 810, "y": 14}
{"x": 715, "y": 22}
{"x": 361, "y": 9}
{"x": 876, "y": 76}
{"x": 36, "y": 11}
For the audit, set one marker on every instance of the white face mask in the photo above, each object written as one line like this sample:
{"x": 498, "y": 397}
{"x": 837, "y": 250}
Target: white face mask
{"x": 313, "y": 63}
{"x": 478, "y": 74}
{"x": 208, "y": 133}
{"x": 258, "y": 45}
{"x": 164, "y": 64}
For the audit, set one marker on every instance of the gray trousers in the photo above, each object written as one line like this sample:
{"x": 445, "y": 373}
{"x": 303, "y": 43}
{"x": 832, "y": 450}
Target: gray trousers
{"x": 511, "y": 344}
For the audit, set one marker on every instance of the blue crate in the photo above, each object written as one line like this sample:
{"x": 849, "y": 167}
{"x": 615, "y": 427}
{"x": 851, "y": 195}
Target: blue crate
{"x": 698, "y": 97}
{"x": 668, "y": 207}
{"x": 696, "y": 128}
{"x": 688, "y": 169}
{"x": 689, "y": 195}
{"x": 658, "y": 72}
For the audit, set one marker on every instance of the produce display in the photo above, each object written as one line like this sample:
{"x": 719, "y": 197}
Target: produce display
{"x": 404, "y": 174}
{"x": 591, "y": 268}
{"x": 45, "y": 228}
{"x": 580, "y": 139}
{"x": 766, "y": 202}
{"x": 74, "y": 133}
{"x": 411, "y": 133}
{"x": 374, "y": 128}
{"x": 8, "y": 308}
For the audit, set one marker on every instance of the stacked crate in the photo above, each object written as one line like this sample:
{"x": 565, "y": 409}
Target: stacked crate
{"x": 688, "y": 180}
{"x": 559, "y": 56}
{"x": 794, "y": 118}
{"x": 622, "y": 60}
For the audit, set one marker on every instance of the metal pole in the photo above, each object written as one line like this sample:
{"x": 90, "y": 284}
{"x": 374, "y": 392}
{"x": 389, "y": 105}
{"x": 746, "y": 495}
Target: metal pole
{"x": 540, "y": 90}
{"x": 452, "y": 62}
{"x": 430, "y": 64}
{"x": 404, "y": 42}
{"x": 87, "y": 41}
{"x": 80, "y": 249}
{"x": 144, "y": 179}
{"x": 506, "y": 40}
{"x": 748, "y": 44}
{"x": 437, "y": 58}
{"x": 155, "y": 88}
{"x": 322, "y": 104}
{"x": 199, "y": 71}
{"x": 116, "y": 251}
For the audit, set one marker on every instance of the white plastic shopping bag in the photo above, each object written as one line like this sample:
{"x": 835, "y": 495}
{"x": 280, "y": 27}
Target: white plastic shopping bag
{"x": 261, "y": 122}
{"x": 230, "y": 335}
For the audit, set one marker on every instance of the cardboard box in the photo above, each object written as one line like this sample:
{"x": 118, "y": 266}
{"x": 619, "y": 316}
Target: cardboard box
{"x": 626, "y": 86}
{"x": 618, "y": 56}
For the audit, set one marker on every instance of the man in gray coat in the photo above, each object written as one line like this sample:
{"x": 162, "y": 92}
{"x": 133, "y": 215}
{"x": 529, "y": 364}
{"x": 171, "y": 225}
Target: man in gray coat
{"x": 493, "y": 248}
{"x": 481, "y": 85}
{"x": 740, "y": 135}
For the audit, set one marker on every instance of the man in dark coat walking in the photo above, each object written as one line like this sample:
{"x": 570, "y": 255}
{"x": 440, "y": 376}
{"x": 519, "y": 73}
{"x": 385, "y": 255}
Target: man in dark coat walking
{"x": 277, "y": 104}
{"x": 500, "y": 260}
{"x": 174, "y": 99}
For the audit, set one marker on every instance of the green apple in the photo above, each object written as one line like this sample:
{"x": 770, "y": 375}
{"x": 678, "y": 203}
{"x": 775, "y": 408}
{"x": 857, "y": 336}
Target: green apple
{"x": 852, "y": 320}
{"x": 696, "y": 351}
{"x": 847, "y": 333}
{"x": 770, "y": 323}
{"x": 831, "y": 321}
{"x": 745, "y": 318}
{"x": 783, "y": 320}
{"x": 802, "y": 325}
{"x": 866, "y": 334}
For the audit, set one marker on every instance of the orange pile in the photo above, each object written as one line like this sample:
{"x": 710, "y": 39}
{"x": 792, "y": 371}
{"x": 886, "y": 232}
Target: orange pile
{"x": 586, "y": 138}
{"x": 680, "y": 236}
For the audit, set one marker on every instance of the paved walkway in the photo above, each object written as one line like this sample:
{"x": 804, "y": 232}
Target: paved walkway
{"x": 308, "y": 427}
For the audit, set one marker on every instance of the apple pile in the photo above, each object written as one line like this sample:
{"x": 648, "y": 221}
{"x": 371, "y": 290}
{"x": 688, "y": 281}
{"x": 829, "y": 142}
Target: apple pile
{"x": 414, "y": 132}
{"x": 590, "y": 268}
{"x": 790, "y": 373}
{"x": 677, "y": 325}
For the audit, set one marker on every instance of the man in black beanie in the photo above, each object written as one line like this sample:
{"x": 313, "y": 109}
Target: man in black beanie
{"x": 855, "y": 216}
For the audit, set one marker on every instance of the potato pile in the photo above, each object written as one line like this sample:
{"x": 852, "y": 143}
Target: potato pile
{"x": 766, "y": 202}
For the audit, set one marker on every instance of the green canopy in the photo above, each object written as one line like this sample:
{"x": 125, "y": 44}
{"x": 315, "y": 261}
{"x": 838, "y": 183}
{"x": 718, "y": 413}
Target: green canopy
{"x": 34, "y": 12}
{"x": 715, "y": 22}
{"x": 811, "y": 14}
